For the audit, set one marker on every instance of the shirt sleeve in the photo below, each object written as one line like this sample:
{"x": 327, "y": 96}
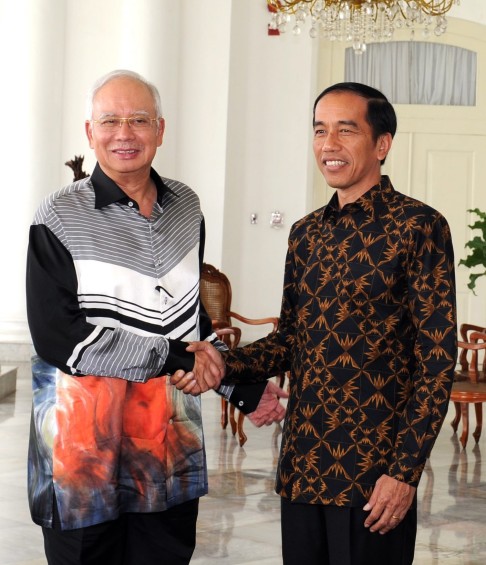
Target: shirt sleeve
{"x": 431, "y": 299}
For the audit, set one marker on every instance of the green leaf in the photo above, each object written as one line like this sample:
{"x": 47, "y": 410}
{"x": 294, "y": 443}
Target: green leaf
{"x": 478, "y": 246}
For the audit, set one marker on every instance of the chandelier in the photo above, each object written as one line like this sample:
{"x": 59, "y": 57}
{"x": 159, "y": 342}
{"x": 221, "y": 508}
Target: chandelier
{"x": 360, "y": 21}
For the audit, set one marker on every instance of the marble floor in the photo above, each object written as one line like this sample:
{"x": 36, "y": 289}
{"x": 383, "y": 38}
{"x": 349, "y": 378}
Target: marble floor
{"x": 239, "y": 519}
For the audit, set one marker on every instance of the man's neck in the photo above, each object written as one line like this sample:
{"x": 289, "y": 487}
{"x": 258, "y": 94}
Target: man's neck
{"x": 353, "y": 193}
{"x": 142, "y": 190}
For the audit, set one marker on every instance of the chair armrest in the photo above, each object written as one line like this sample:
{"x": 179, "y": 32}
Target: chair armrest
{"x": 472, "y": 368}
{"x": 472, "y": 346}
{"x": 256, "y": 321}
{"x": 229, "y": 335}
{"x": 477, "y": 334}
{"x": 465, "y": 328}
{"x": 477, "y": 337}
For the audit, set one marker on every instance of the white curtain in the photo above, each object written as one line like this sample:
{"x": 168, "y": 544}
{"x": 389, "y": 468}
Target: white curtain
{"x": 416, "y": 72}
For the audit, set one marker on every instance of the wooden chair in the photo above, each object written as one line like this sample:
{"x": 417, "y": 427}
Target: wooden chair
{"x": 470, "y": 381}
{"x": 465, "y": 331}
{"x": 216, "y": 295}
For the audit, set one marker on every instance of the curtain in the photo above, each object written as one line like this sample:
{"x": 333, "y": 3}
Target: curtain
{"x": 416, "y": 72}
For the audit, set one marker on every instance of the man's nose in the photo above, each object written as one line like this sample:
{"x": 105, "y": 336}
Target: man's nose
{"x": 125, "y": 130}
{"x": 330, "y": 141}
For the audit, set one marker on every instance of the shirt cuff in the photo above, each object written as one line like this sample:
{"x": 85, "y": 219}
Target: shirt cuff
{"x": 245, "y": 397}
{"x": 225, "y": 391}
{"x": 178, "y": 358}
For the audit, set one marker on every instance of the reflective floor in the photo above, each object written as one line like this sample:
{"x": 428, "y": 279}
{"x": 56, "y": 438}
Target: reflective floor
{"x": 239, "y": 519}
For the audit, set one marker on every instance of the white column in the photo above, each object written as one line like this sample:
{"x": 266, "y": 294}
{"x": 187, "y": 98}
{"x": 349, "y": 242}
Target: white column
{"x": 202, "y": 112}
{"x": 31, "y": 39}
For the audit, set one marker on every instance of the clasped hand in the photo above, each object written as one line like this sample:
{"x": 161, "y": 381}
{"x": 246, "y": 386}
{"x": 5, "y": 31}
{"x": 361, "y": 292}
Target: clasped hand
{"x": 208, "y": 371}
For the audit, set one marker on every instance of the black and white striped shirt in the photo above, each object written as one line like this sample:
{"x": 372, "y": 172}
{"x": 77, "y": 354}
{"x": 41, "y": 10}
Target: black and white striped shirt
{"x": 109, "y": 291}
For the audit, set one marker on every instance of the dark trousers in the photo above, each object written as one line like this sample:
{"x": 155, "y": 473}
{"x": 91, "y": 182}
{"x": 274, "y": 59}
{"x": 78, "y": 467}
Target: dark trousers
{"x": 159, "y": 538}
{"x": 331, "y": 535}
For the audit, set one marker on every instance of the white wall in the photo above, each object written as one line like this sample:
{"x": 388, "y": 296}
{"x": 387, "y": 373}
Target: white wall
{"x": 268, "y": 160}
{"x": 238, "y": 110}
{"x": 472, "y": 10}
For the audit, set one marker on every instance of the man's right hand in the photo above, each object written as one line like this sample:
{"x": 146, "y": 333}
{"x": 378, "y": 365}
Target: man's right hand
{"x": 208, "y": 371}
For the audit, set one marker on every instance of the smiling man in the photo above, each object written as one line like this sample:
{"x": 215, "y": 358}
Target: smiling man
{"x": 368, "y": 331}
{"x": 349, "y": 150}
{"x": 116, "y": 453}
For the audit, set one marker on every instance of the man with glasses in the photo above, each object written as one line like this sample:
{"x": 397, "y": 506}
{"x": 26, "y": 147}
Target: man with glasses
{"x": 116, "y": 454}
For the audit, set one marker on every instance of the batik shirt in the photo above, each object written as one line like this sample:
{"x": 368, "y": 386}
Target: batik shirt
{"x": 368, "y": 332}
{"x": 112, "y": 298}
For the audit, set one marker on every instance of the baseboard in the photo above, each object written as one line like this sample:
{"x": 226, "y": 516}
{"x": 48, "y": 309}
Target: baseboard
{"x": 12, "y": 353}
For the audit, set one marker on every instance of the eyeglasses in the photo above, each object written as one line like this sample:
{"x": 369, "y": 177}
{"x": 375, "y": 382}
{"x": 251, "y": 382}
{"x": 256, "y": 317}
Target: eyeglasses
{"x": 134, "y": 122}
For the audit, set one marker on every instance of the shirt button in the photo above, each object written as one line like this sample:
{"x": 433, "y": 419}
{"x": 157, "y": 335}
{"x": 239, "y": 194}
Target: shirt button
{"x": 171, "y": 421}
{"x": 130, "y": 204}
{"x": 241, "y": 403}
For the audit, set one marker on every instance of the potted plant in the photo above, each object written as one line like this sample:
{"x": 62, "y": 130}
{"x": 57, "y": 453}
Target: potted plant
{"x": 478, "y": 246}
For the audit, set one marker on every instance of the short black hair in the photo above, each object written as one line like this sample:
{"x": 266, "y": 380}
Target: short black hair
{"x": 380, "y": 115}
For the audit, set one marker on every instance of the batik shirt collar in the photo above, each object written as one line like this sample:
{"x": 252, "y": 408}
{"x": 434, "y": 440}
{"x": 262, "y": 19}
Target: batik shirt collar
{"x": 370, "y": 202}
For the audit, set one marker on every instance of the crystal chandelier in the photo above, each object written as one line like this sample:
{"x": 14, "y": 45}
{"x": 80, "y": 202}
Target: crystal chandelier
{"x": 360, "y": 21}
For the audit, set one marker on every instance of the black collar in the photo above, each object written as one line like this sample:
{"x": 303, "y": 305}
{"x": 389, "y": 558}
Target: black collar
{"x": 370, "y": 201}
{"x": 108, "y": 192}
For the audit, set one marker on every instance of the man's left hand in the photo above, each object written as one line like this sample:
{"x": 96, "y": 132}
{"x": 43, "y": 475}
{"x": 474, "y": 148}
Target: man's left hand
{"x": 269, "y": 409}
{"x": 389, "y": 503}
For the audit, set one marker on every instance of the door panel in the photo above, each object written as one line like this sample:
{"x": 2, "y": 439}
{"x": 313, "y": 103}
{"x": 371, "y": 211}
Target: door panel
{"x": 448, "y": 173}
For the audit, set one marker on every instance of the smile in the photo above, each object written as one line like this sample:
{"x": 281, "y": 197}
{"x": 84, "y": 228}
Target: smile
{"x": 335, "y": 163}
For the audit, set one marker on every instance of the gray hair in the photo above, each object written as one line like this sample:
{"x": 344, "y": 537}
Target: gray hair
{"x": 122, "y": 74}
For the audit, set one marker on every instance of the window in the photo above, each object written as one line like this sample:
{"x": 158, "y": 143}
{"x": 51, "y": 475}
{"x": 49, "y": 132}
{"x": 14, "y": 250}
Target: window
{"x": 416, "y": 72}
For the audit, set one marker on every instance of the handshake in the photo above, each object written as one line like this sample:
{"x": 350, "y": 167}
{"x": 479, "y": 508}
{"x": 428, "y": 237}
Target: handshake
{"x": 209, "y": 369}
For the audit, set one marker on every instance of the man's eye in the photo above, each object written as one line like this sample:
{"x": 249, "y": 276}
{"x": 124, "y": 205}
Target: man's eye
{"x": 141, "y": 121}
{"x": 108, "y": 122}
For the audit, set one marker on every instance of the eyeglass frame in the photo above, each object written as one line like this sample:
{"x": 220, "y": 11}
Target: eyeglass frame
{"x": 126, "y": 120}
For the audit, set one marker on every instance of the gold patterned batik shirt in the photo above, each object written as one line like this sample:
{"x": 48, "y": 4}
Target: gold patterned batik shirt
{"x": 368, "y": 333}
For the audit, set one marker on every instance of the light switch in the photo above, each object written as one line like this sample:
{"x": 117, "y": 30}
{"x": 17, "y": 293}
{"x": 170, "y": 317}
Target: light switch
{"x": 276, "y": 219}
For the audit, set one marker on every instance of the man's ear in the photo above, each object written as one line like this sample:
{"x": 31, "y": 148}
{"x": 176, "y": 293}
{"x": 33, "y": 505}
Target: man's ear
{"x": 89, "y": 132}
{"x": 160, "y": 131}
{"x": 384, "y": 145}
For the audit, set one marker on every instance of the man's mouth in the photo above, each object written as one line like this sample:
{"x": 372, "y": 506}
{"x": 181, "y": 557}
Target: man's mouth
{"x": 334, "y": 163}
{"x": 124, "y": 151}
